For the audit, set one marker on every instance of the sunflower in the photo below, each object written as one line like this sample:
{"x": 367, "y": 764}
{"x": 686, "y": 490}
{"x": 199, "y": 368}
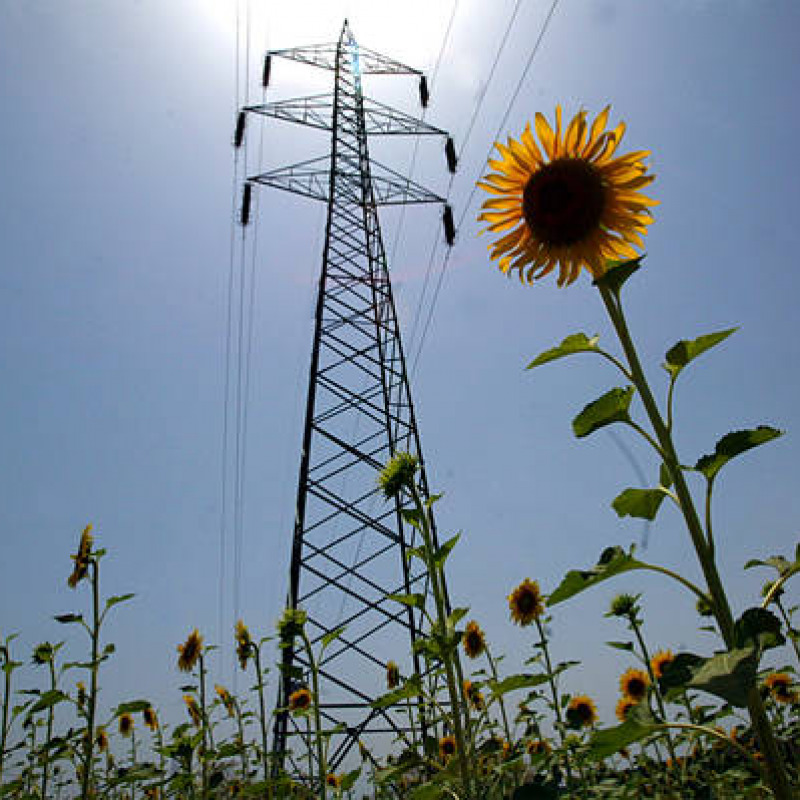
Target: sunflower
{"x": 392, "y": 675}
{"x": 537, "y": 747}
{"x": 624, "y": 705}
{"x": 332, "y": 780}
{"x": 779, "y": 685}
{"x": 566, "y": 202}
{"x": 633, "y": 683}
{"x": 474, "y": 640}
{"x": 299, "y": 700}
{"x": 81, "y": 558}
{"x": 398, "y": 474}
{"x": 81, "y": 687}
{"x": 192, "y": 708}
{"x": 244, "y": 644}
{"x": 660, "y": 661}
{"x": 526, "y": 603}
{"x": 125, "y": 724}
{"x": 190, "y": 651}
{"x": 581, "y": 711}
{"x": 473, "y": 695}
{"x": 447, "y": 747}
{"x": 226, "y": 697}
{"x": 150, "y": 718}
{"x": 101, "y": 740}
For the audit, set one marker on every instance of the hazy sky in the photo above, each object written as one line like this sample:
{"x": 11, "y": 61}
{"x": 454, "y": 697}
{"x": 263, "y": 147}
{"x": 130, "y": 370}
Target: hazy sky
{"x": 116, "y": 218}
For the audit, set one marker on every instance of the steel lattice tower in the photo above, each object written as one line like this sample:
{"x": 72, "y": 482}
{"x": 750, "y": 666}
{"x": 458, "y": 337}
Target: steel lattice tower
{"x": 349, "y": 544}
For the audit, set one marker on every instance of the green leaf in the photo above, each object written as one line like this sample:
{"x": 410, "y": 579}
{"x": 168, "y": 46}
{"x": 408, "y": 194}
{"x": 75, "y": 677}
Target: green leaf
{"x": 617, "y": 273}
{"x": 638, "y": 725}
{"x": 133, "y": 707}
{"x": 427, "y": 791}
{"x": 456, "y": 616}
{"x": 759, "y": 628}
{"x": 641, "y": 503}
{"x": 613, "y": 561}
{"x": 777, "y": 562}
{"x": 332, "y": 636}
{"x": 732, "y": 445}
{"x": 621, "y": 645}
{"x": 348, "y": 781}
{"x": 686, "y": 350}
{"x": 513, "y": 682}
{"x": 728, "y": 675}
{"x": 611, "y": 407}
{"x": 411, "y": 688}
{"x": 118, "y": 598}
{"x": 678, "y": 672}
{"x": 47, "y": 700}
{"x": 415, "y": 600}
{"x": 412, "y": 516}
{"x": 66, "y": 619}
{"x": 577, "y": 343}
{"x": 440, "y": 556}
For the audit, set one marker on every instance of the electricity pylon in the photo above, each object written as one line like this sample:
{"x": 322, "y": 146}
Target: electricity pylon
{"x": 350, "y": 545}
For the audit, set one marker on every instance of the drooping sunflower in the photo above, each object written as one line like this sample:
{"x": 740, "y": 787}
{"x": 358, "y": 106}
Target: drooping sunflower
{"x": 190, "y": 651}
{"x": 526, "y": 603}
{"x": 392, "y": 675}
{"x": 226, "y": 697}
{"x": 473, "y": 695}
{"x": 125, "y": 724}
{"x": 333, "y": 780}
{"x": 624, "y": 705}
{"x": 474, "y": 640}
{"x": 447, "y": 747}
{"x": 101, "y": 739}
{"x": 193, "y": 709}
{"x": 581, "y": 711}
{"x": 81, "y": 558}
{"x": 244, "y": 644}
{"x": 779, "y": 685}
{"x": 537, "y": 747}
{"x": 660, "y": 661}
{"x": 633, "y": 683}
{"x": 567, "y": 201}
{"x": 300, "y": 700}
{"x": 150, "y": 718}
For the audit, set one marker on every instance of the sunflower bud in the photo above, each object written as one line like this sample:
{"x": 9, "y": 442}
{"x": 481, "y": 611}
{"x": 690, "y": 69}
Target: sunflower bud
{"x": 398, "y": 474}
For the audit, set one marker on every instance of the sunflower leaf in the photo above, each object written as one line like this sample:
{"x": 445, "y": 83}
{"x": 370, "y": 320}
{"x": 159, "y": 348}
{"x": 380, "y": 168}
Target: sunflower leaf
{"x": 613, "y": 561}
{"x": 732, "y": 445}
{"x": 686, "y": 350}
{"x": 641, "y": 503}
{"x": 611, "y": 407}
{"x": 133, "y": 707}
{"x": 638, "y": 725}
{"x": 760, "y": 628}
{"x": 411, "y": 688}
{"x": 621, "y": 645}
{"x": 617, "y": 273}
{"x": 441, "y": 554}
{"x": 513, "y": 682}
{"x": 47, "y": 700}
{"x": 729, "y": 675}
{"x": 576, "y": 343}
{"x": 120, "y": 598}
{"x": 415, "y": 600}
{"x": 332, "y": 636}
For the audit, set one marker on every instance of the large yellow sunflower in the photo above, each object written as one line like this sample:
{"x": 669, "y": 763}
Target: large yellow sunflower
{"x": 567, "y": 201}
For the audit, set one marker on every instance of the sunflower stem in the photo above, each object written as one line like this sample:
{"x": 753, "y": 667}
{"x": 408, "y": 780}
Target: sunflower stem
{"x": 500, "y": 700}
{"x": 789, "y": 629}
{"x": 88, "y": 753}
{"x": 321, "y": 766}
{"x": 49, "y": 735}
{"x": 204, "y": 723}
{"x": 776, "y": 771}
{"x": 262, "y": 718}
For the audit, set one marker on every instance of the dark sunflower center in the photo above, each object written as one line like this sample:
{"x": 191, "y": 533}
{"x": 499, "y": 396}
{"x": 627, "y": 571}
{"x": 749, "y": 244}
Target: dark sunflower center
{"x": 563, "y": 202}
{"x": 526, "y": 602}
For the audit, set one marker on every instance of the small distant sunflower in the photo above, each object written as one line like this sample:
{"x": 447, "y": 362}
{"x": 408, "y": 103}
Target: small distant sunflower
{"x": 125, "y": 724}
{"x": 101, "y": 739}
{"x": 299, "y": 700}
{"x": 81, "y": 687}
{"x": 398, "y": 474}
{"x": 392, "y": 675}
{"x": 447, "y": 747}
{"x": 568, "y": 203}
{"x": 537, "y": 747}
{"x": 779, "y": 685}
{"x": 660, "y": 661}
{"x": 473, "y": 695}
{"x": 332, "y": 780}
{"x": 624, "y": 705}
{"x": 192, "y": 708}
{"x": 150, "y": 718}
{"x": 226, "y": 697}
{"x": 244, "y": 644}
{"x": 81, "y": 558}
{"x": 474, "y": 640}
{"x": 581, "y": 711}
{"x": 190, "y": 651}
{"x": 526, "y": 603}
{"x": 633, "y": 683}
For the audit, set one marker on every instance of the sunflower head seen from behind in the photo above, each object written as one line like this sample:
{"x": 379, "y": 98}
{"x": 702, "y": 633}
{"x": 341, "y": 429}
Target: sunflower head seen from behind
{"x": 567, "y": 201}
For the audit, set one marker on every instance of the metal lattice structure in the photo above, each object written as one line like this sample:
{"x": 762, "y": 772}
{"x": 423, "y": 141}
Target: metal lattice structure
{"x": 349, "y": 544}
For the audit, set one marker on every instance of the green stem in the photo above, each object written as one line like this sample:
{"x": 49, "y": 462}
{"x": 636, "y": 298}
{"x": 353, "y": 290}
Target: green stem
{"x": 789, "y": 629}
{"x": 554, "y": 691}
{"x": 500, "y": 700}
{"x": 448, "y": 659}
{"x": 777, "y": 777}
{"x": 262, "y": 718}
{"x": 204, "y": 723}
{"x": 688, "y": 584}
{"x": 240, "y": 728}
{"x": 709, "y": 529}
{"x": 90, "y": 716}
{"x": 321, "y": 766}
{"x": 778, "y": 585}
{"x": 133, "y": 762}
{"x": 4, "y": 726}
{"x": 646, "y": 436}
{"x": 48, "y": 739}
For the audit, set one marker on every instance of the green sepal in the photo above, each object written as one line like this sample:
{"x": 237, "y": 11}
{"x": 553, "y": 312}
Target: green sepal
{"x": 732, "y": 445}
{"x": 686, "y": 350}
{"x": 613, "y": 561}
{"x": 576, "y": 343}
{"x": 641, "y": 503}
{"x": 617, "y": 273}
{"x": 611, "y": 407}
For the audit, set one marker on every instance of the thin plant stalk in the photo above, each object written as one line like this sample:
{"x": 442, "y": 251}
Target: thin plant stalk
{"x": 321, "y": 766}
{"x": 503, "y": 714}
{"x": 88, "y": 755}
{"x": 792, "y": 633}
{"x": 776, "y": 772}
{"x": 262, "y": 717}
{"x": 204, "y": 723}
{"x": 8, "y": 668}
{"x": 49, "y": 733}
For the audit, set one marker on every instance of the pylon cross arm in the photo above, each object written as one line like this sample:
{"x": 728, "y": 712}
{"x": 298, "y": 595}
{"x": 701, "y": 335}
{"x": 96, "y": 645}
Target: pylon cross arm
{"x": 324, "y": 56}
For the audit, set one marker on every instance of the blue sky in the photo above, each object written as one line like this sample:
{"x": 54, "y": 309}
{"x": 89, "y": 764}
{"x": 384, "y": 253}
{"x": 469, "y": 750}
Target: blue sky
{"x": 115, "y": 228}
